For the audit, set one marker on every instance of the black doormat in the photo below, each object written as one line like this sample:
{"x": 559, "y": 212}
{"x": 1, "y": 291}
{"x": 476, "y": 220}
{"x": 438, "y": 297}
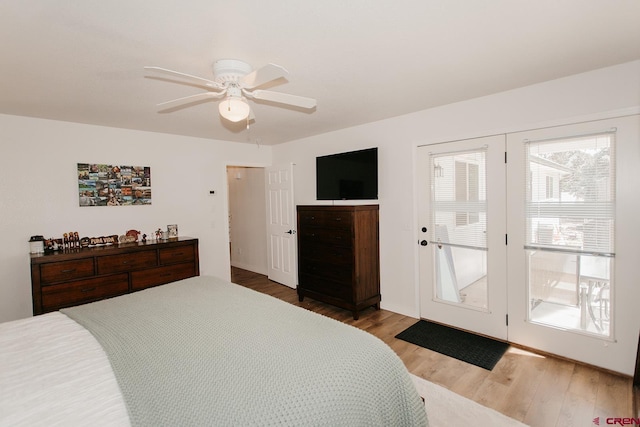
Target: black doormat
{"x": 480, "y": 351}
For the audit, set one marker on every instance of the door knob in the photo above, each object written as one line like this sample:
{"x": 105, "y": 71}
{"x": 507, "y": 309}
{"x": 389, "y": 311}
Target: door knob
{"x": 291, "y": 232}
{"x": 423, "y": 243}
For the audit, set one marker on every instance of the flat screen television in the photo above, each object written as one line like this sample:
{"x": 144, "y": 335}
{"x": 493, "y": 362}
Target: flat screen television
{"x": 348, "y": 176}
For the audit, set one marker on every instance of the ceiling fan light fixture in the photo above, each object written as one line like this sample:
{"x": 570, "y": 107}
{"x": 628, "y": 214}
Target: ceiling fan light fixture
{"x": 234, "y": 109}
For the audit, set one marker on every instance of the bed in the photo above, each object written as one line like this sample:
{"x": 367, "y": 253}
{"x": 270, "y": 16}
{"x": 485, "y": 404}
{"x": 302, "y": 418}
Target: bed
{"x": 200, "y": 351}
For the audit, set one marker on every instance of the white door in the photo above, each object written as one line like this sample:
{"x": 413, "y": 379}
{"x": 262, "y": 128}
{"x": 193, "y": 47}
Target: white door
{"x": 573, "y": 239}
{"x": 281, "y": 225}
{"x": 462, "y": 233}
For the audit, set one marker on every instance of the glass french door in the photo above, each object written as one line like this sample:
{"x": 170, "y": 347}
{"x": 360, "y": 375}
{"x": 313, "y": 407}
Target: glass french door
{"x": 569, "y": 234}
{"x": 551, "y": 240}
{"x": 462, "y": 233}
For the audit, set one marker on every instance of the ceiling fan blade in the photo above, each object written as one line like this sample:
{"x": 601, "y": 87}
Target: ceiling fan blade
{"x": 263, "y": 75}
{"x": 284, "y": 98}
{"x": 187, "y": 100}
{"x": 210, "y": 84}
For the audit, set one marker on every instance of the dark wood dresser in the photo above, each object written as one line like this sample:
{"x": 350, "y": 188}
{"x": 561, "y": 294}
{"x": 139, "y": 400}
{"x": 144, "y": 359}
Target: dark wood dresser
{"x": 339, "y": 256}
{"x": 77, "y": 276}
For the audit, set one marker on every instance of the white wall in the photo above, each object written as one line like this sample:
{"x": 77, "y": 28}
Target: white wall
{"x": 597, "y": 94}
{"x": 38, "y": 168}
{"x": 38, "y": 183}
{"x": 247, "y": 218}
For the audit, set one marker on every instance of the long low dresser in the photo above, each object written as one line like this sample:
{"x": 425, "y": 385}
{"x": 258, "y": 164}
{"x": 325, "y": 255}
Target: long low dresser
{"x": 77, "y": 276}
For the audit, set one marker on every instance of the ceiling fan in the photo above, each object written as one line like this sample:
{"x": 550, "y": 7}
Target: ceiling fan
{"x": 235, "y": 81}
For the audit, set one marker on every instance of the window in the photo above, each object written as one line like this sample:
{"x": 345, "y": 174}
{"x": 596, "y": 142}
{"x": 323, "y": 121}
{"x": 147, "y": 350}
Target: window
{"x": 549, "y": 187}
{"x": 459, "y": 198}
{"x": 570, "y": 231}
{"x": 458, "y": 226}
{"x": 467, "y": 183}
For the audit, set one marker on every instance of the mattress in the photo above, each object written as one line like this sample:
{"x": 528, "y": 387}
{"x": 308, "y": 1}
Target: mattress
{"x": 54, "y": 373}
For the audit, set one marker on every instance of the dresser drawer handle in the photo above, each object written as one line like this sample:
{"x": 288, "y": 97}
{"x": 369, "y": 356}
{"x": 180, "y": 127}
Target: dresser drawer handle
{"x": 70, "y": 270}
{"x": 166, "y": 275}
{"x": 338, "y": 219}
{"x": 85, "y": 290}
{"x": 177, "y": 254}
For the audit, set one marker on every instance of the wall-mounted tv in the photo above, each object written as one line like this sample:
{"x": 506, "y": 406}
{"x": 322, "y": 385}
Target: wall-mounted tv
{"x": 348, "y": 176}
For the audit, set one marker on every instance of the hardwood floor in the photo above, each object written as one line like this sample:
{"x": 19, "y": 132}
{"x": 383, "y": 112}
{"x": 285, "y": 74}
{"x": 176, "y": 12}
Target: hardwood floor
{"x": 538, "y": 390}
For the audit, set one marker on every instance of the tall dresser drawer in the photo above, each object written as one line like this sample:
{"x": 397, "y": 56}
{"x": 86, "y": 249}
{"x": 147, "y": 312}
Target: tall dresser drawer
{"x": 326, "y": 287}
{"x": 126, "y": 262}
{"x": 177, "y": 255}
{"x": 322, "y": 218}
{"x": 339, "y": 272}
{"x": 313, "y": 236}
{"x": 82, "y": 291}
{"x": 66, "y": 270}
{"x": 336, "y": 255}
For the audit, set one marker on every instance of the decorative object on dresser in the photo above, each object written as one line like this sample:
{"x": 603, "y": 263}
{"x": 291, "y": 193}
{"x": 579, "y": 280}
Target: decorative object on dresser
{"x": 36, "y": 244}
{"x": 339, "y": 256}
{"x": 71, "y": 241}
{"x": 69, "y": 278}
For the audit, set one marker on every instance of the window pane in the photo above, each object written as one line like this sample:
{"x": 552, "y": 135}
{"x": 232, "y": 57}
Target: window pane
{"x": 570, "y": 291}
{"x": 461, "y": 276}
{"x": 578, "y": 213}
{"x": 570, "y": 231}
{"x": 459, "y": 197}
{"x": 549, "y": 181}
{"x": 458, "y": 229}
{"x": 461, "y": 191}
{"x": 474, "y": 190}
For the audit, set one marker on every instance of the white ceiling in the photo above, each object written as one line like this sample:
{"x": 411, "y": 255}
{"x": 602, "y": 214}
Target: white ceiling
{"x": 363, "y": 60}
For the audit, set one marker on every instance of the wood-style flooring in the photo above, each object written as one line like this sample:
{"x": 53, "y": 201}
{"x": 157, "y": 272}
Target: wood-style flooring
{"x": 538, "y": 390}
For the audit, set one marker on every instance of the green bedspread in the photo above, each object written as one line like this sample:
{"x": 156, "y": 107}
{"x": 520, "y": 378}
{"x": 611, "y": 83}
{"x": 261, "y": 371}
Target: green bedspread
{"x": 203, "y": 351}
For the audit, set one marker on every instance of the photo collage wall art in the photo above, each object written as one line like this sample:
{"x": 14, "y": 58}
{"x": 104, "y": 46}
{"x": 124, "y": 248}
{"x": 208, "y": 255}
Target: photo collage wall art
{"x": 112, "y": 185}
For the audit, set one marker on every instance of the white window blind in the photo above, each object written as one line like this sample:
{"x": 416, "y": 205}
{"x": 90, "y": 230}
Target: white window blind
{"x": 578, "y": 215}
{"x": 458, "y": 199}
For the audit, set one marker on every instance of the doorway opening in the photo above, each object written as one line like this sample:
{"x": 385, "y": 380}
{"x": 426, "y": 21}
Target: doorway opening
{"x": 247, "y": 213}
